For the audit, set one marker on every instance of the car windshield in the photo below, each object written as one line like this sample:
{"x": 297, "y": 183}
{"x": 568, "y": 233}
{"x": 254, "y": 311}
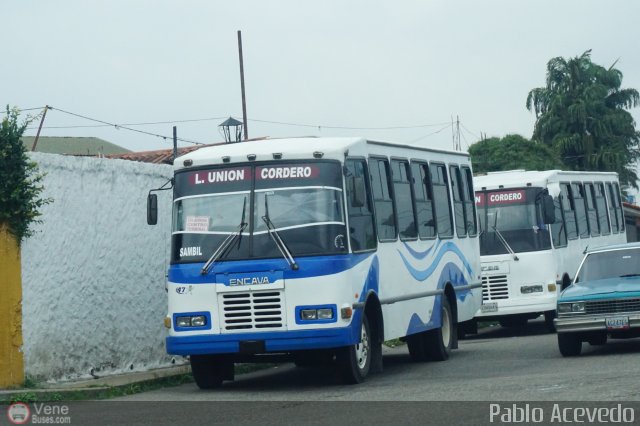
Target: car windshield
{"x": 610, "y": 264}
{"x": 515, "y": 215}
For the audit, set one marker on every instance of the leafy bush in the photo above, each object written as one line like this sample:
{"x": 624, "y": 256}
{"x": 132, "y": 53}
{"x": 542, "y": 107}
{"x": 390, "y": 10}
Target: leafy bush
{"x": 20, "y": 181}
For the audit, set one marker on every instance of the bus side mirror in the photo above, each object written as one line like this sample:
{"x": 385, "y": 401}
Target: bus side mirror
{"x": 548, "y": 209}
{"x": 357, "y": 191}
{"x": 152, "y": 209}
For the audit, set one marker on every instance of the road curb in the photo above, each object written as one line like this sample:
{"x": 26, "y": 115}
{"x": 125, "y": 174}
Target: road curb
{"x": 99, "y": 388}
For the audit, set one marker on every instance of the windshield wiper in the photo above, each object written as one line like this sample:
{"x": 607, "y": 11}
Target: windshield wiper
{"x": 629, "y": 275}
{"x": 222, "y": 248}
{"x": 505, "y": 243}
{"x": 282, "y": 247}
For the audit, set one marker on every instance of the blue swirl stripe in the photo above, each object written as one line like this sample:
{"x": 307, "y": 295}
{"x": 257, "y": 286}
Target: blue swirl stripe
{"x": 419, "y": 255}
{"x": 423, "y": 274}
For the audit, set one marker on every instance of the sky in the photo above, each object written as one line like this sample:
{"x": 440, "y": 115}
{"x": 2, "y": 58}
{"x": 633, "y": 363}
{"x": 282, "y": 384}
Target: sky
{"x": 396, "y": 71}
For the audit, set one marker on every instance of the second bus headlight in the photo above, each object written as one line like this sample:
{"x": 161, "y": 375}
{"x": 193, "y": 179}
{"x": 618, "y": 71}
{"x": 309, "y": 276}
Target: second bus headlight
{"x": 325, "y": 313}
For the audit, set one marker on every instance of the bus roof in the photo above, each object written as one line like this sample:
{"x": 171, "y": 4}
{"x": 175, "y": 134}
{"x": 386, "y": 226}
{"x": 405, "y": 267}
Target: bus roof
{"x": 291, "y": 149}
{"x": 521, "y": 178}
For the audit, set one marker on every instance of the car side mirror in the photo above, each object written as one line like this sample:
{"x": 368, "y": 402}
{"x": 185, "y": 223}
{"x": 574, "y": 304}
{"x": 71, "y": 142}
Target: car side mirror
{"x": 152, "y": 209}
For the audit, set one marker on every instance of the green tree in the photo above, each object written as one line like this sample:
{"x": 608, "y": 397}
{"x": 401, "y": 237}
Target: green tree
{"x": 20, "y": 181}
{"x": 582, "y": 114}
{"x": 512, "y": 152}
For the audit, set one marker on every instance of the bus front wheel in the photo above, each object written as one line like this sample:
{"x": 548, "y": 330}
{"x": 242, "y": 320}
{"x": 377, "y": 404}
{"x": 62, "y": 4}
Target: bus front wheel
{"x": 354, "y": 361}
{"x": 209, "y": 371}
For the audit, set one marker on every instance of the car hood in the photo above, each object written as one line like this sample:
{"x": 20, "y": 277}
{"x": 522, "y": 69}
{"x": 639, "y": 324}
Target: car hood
{"x": 625, "y": 287}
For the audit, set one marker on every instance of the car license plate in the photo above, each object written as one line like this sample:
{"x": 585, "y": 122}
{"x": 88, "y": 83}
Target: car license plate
{"x": 489, "y": 307}
{"x": 617, "y": 323}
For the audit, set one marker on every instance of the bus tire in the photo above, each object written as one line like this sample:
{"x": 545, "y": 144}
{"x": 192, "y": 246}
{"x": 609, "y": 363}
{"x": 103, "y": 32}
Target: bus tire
{"x": 417, "y": 347}
{"x": 209, "y": 371}
{"x": 569, "y": 344}
{"x": 354, "y": 361}
{"x": 438, "y": 341}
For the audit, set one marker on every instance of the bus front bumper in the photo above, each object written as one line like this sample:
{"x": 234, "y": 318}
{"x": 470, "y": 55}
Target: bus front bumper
{"x": 270, "y": 342}
{"x": 521, "y": 306}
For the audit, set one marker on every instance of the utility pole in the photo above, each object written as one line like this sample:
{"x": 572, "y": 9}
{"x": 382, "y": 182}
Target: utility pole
{"x": 244, "y": 102}
{"x": 35, "y": 141}
{"x": 175, "y": 142}
{"x": 455, "y": 133}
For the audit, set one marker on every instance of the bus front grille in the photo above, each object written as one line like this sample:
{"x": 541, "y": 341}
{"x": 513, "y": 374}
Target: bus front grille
{"x": 613, "y": 306}
{"x": 495, "y": 287}
{"x": 252, "y": 311}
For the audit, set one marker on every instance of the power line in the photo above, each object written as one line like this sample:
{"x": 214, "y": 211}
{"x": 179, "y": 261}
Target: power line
{"x": 320, "y": 126}
{"x": 120, "y": 126}
{"x": 22, "y": 109}
{"x": 433, "y": 133}
{"x": 469, "y": 131}
{"x": 134, "y": 124}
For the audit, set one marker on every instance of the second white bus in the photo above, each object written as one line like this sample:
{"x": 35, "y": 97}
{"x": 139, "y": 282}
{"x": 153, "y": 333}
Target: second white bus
{"x": 535, "y": 226}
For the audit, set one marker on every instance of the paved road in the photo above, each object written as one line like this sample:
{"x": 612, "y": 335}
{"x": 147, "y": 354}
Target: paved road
{"x": 498, "y": 364}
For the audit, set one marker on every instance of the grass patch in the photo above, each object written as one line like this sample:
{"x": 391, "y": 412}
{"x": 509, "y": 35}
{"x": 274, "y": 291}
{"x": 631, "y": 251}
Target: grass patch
{"x": 393, "y": 343}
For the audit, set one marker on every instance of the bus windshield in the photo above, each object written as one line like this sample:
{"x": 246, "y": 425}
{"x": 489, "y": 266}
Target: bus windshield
{"x": 515, "y": 215}
{"x": 303, "y": 202}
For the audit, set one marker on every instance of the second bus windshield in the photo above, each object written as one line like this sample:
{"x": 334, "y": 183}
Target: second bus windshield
{"x": 512, "y": 217}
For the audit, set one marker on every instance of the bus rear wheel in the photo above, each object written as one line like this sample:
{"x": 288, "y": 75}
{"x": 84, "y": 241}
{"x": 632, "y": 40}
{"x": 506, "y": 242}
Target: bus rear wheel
{"x": 354, "y": 361}
{"x": 209, "y": 371}
{"x": 438, "y": 341}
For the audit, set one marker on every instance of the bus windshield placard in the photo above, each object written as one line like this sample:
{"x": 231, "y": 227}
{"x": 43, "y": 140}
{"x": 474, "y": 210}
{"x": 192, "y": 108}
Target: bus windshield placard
{"x": 500, "y": 198}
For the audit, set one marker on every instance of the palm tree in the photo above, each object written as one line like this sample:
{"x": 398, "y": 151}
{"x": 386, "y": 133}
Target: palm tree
{"x": 582, "y": 114}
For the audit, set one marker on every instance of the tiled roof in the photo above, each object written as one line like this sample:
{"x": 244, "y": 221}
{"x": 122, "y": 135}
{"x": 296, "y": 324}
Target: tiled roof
{"x": 162, "y": 156}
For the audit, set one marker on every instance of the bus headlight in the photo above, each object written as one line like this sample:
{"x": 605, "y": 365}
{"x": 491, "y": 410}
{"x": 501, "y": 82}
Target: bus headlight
{"x": 321, "y": 313}
{"x": 309, "y": 314}
{"x": 191, "y": 321}
{"x": 198, "y": 321}
{"x": 528, "y": 289}
{"x": 325, "y": 313}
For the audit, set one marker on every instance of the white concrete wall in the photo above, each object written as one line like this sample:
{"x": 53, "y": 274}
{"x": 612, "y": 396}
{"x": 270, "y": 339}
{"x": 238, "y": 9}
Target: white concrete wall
{"x": 94, "y": 274}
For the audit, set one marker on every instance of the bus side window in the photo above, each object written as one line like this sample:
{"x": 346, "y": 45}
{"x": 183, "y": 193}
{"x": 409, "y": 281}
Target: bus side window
{"x": 568, "y": 209}
{"x": 613, "y": 214}
{"x": 619, "y": 207}
{"x": 425, "y": 207}
{"x": 382, "y": 201}
{"x": 601, "y": 208}
{"x": 592, "y": 213}
{"x": 581, "y": 215}
{"x": 361, "y": 230}
{"x": 442, "y": 201}
{"x": 458, "y": 206}
{"x": 404, "y": 199}
{"x": 469, "y": 202}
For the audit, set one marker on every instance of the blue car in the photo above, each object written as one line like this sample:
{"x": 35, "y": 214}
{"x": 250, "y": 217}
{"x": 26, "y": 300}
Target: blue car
{"x": 603, "y": 301}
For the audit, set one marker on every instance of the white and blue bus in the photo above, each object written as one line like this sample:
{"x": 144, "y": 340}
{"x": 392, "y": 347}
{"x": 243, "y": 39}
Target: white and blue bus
{"x": 318, "y": 250}
{"x": 535, "y": 227}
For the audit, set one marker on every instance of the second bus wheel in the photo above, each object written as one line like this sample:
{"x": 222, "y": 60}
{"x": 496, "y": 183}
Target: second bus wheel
{"x": 354, "y": 361}
{"x": 209, "y": 371}
{"x": 438, "y": 341}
